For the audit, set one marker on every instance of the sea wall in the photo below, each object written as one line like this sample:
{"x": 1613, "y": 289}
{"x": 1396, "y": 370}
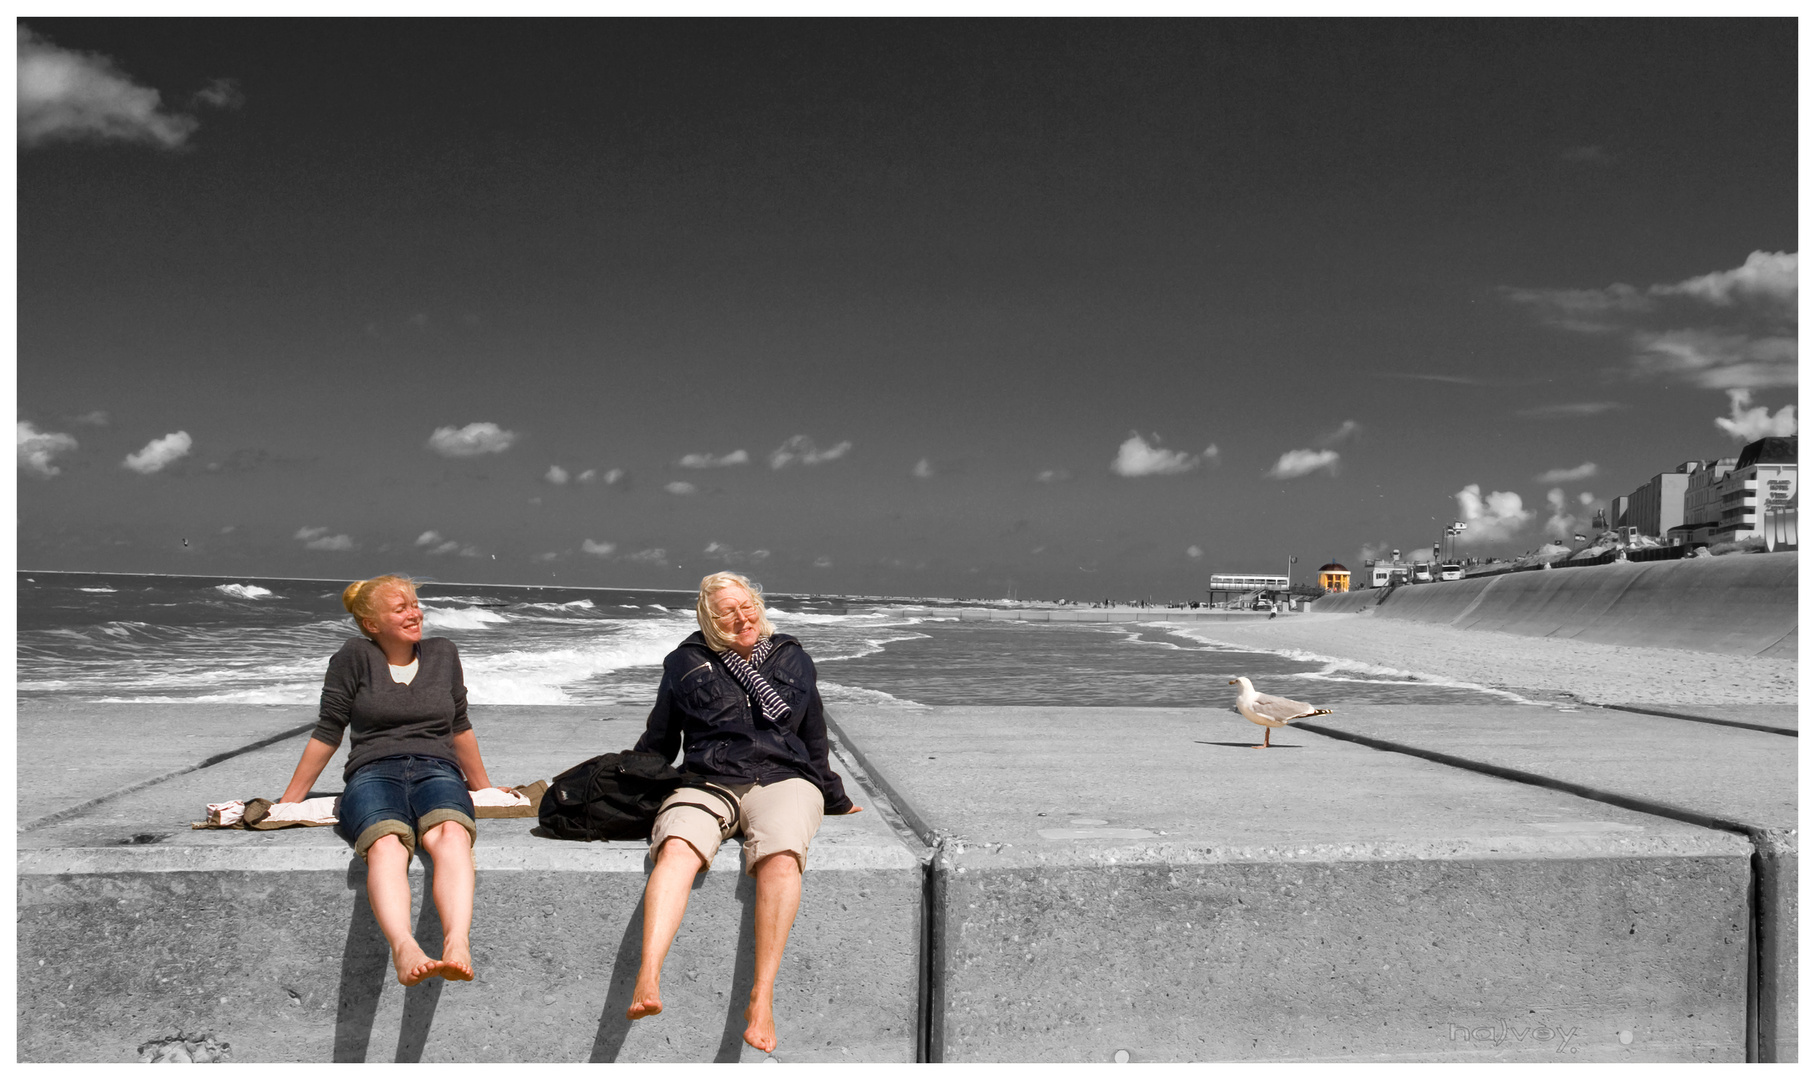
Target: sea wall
{"x": 1736, "y": 604}
{"x": 1026, "y": 884}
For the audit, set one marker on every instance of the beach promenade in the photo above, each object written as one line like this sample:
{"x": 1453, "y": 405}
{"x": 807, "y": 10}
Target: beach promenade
{"x": 1568, "y": 876}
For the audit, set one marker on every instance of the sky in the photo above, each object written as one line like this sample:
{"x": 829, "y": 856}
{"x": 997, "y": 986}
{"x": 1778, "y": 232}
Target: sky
{"x": 1044, "y": 309}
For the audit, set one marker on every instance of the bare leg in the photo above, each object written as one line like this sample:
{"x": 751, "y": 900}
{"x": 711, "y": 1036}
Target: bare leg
{"x": 664, "y": 902}
{"x": 1266, "y": 742}
{"x": 452, "y": 849}
{"x": 388, "y": 888}
{"x": 777, "y": 901}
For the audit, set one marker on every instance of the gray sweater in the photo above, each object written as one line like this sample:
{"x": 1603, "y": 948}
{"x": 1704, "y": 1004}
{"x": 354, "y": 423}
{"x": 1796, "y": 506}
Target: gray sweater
{"x": 388, "y": 717}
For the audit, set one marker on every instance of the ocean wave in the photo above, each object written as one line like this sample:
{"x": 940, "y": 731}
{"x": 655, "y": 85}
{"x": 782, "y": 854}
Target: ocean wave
{"x": 260, "y": 695}
{"x": 245, "y": 592}
{"x": 571, "y": 605}
{"x": 461, "y": 618}
{"x": 557, "y": 676}
{"x": 839, "y": 694}
{"x": 101, "y": 588}
{"x": 825, "y": 651}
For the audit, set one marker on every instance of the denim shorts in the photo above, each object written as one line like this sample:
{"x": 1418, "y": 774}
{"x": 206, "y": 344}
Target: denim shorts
{"x": 403, "y": 796}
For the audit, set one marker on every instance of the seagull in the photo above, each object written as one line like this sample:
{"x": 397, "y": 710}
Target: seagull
{"x": 1269, "y": 711}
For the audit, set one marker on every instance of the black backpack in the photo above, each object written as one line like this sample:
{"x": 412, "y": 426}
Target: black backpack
{"x": 616, "y": 796}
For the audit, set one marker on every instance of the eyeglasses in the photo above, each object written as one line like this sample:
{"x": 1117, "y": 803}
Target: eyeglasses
{"x": 748, "y": 611}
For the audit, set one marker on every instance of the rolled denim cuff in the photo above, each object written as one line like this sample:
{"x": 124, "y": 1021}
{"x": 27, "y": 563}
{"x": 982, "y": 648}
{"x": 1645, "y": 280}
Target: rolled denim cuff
{"x": 379, "y": 829}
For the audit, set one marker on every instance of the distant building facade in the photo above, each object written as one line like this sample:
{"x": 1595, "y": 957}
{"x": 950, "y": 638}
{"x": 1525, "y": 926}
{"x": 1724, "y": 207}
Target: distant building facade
{"x": 1333, "y": 577}
{"x": 1764, "y": 477}
{"x": 1657, "y": 506}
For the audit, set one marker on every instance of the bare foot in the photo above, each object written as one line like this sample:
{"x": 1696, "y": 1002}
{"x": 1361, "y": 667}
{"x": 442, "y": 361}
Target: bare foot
{"x": 413, "y": 965}
{"x": 761, "y": 1032}
{"x": 456, "y": 960}
{"x": 645, "y": 1000}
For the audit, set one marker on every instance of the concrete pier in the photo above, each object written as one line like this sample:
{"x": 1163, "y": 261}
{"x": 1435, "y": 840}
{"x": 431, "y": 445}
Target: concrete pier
{"x": 1028, "y": 884}
{"x": 1140, "y": 884}
{"x": 133, "y": 928}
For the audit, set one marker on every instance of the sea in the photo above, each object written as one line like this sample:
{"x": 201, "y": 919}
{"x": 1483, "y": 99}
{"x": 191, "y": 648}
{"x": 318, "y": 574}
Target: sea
{"x": 156, "y": 638}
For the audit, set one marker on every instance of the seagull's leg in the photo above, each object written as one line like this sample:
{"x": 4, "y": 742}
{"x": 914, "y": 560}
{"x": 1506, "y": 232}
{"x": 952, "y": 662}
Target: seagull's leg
{"x": 1267, "y": 741}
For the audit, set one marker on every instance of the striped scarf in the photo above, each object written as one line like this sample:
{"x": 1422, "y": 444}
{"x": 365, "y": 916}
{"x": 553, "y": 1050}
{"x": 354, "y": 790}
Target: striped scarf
{"x": 774, "y": 709}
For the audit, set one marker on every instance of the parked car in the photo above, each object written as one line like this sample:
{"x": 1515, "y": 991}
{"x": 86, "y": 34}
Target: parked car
{"x": 1421, "y": 573}
{"x": 1451, "y": 572}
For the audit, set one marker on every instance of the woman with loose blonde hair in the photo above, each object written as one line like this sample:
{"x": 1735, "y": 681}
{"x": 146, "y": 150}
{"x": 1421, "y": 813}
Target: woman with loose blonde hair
{"x": 412, "y": 762}
{"x": 743, "y": 702}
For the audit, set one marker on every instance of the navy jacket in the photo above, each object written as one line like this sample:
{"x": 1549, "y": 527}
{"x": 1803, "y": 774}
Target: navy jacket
{"x": 727, "y": 739}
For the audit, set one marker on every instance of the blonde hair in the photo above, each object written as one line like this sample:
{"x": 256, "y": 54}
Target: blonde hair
{"x": 715, "y": 583}
{"x": 361, "y": 597}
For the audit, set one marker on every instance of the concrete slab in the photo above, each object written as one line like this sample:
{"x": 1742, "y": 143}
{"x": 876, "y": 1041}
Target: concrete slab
{"x": 1735, "y": 777}
{"x": 1140, "y": 881}
{"x": 81, "y": 751}
{"x": 264, "y": 940}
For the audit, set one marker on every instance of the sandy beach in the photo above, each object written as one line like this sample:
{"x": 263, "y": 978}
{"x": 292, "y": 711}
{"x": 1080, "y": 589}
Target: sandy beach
{"x": 1539, "y": 668}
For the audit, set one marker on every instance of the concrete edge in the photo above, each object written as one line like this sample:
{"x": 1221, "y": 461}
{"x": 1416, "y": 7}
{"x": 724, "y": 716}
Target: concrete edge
{"x": 1767, "y": 728}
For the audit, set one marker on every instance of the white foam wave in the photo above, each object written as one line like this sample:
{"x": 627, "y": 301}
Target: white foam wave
{"x": 852, "y": 650}
{"x": 102, "y": 588}
{"x": 545, "y": 676}
{"x": 461, "y": 618}
{"x": 245, "y": 592}
{"x": 262, "y": 695}
{"x": 839, "y": 694}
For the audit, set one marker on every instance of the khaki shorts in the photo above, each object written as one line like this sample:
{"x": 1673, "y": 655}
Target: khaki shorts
{"x": 778, "y": 817}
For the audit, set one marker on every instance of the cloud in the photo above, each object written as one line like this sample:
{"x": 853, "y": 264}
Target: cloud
{"x": 555, "y": 475}
{"x": 649, "y": 555}
{"x": 97, "y": 418}
{"x": 679, "y": 487}
{"x": 1746, "y": 424}
{"x": 1194, "y": 552}
{"x": 922, "y": 470}
{"x": 1563, "y": 476}
{"x": 600, "y": 548}
{"x": 437, "y": 545}
{"x": 824, "y": 562}
{"x": 546, "y": 556}
{"x": 1296, "y": 463}
{"x": 159, "y": 453}
{"x": 316, "y": 538}
{"x": 73, "y": 96}
{"x": 608, "y": 477}
{"x": 800, "y": 449}
{"x": 1459, "y": 380}
{"x": 1052, "y": 476}
{"x": 1497, "y": 517}
{"x": 1570, "y": 410}
{"x": 471, "y": 440}
{"x": 1563, "y": 525}
{"x": 707, "y": 461}
{"x": 1348, "y": 430}
{"x": 37, "y": 448}
{"x": 1137, "y": 457}
{"x": 220, "y": 94}
{"x": 1730, "y": 329}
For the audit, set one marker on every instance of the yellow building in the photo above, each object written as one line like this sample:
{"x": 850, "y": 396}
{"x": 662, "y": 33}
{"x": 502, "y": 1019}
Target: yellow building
{"x": 1333, "y": 577}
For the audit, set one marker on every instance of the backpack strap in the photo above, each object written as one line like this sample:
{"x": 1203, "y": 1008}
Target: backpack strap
{"x": 733, "y": 821}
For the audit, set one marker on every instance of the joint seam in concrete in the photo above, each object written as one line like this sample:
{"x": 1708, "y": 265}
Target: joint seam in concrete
{"x": 1756, "y": 997}
{"x": 912, "y": 817}
{"x": 1767, "y": 728}
{"x": 69, "y": 812}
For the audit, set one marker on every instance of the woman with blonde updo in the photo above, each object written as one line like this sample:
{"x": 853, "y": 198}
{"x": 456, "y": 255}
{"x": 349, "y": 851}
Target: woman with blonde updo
{"x": 413, "y": 759}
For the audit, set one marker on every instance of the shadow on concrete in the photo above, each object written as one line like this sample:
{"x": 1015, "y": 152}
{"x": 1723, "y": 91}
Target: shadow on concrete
{"x": 614, "y": 1026}
{"x": 366, "y": 965}
{"x": 419, "y": 1001}
{"x": 1250, "y": 746}
{"x": 743, "y": 976}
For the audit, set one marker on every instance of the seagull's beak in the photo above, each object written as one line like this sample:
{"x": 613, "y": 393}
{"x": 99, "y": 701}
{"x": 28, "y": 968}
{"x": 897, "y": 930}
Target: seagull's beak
{"x": 1231, "y": 682}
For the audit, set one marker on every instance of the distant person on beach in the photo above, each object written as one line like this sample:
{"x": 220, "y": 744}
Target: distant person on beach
{"x": 741, "y": 700}
{"x": 414, "y": 758}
